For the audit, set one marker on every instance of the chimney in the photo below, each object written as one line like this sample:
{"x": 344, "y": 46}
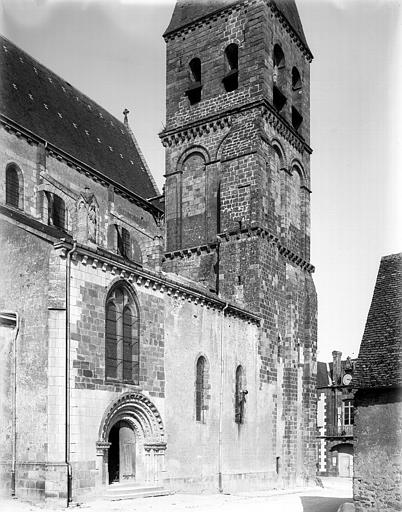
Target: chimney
{"x": 336, "y": 367}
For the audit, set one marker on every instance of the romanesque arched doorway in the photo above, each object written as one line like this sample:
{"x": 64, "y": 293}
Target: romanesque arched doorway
{"x": 131, "y": 442}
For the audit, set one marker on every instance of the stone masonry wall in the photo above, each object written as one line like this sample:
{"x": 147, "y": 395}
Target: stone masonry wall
{"x": 24, "y": 278}
{"x": 261, "y": 172}
{"x": 378, "y": 450}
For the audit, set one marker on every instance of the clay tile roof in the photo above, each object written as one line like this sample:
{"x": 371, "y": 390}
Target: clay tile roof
{"x": 380, "y": 357}
{"x": 188, "y": 11}
{"x": 37, "y": 99}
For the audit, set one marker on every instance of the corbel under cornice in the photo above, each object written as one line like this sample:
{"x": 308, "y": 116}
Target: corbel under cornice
{"x": 151, "y": 280}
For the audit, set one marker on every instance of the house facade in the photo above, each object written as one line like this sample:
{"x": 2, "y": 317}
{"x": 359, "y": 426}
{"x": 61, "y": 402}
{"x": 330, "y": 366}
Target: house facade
{"x": 335, "y": 416}
{"x": 161, "y": 339}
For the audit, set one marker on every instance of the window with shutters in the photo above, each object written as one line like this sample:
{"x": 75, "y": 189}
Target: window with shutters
{"x": 122, "y": 349}
{"x": 14, "y": 186}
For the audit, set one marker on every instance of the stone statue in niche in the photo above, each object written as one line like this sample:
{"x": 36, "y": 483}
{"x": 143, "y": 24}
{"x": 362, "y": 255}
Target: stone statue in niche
{"x": 92, "y": 223}
{"x": 87, "y": 228}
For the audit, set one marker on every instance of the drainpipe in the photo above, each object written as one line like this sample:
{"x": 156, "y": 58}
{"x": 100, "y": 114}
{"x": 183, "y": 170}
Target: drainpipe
{"x": 68, "y": 345}
{"x": 14, "y": 413}
{"x": 221, "y": 405}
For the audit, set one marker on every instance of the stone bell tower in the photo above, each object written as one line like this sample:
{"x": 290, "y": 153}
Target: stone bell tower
{"x": 238, "y": 190}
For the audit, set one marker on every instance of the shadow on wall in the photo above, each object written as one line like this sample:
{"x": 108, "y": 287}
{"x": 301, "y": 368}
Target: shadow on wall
{"x": 322, "y": 503}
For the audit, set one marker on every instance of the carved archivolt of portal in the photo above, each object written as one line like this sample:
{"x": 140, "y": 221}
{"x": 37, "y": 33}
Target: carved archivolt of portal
{"x": 140, "y": 412}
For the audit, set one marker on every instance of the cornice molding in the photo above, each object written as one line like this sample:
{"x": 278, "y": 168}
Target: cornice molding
{"x": 190, "y": 251}
{"x": 225, "y": 11}
{"x": 200, "y": 127}
{"x": 219, "y": 13}
{"x": 189, "y": 132}
{"x": 239, "y": 234}
{"x": 150, "y": 280}
{"x": 292, "y": 33}
{"x": 274, "y": 119}
{"x": 261, "y": 232}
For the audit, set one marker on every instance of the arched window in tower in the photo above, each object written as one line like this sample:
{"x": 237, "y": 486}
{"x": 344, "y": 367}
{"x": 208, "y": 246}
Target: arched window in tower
{"x": 14, "y": 186}
{"x": 240, "y": 395}
{"x": 193, "y": 92}
{"x": 122, "y": 336}
{"x": 276, "y": 179}
{"x": 278, "y": 78}
{"x": 297, "y": 118}
{"x": 200, "y": 385}
{"x": 56, "y": 211}
{"x": 231, "y": 79}
{"x": 193, "y": 201}
{"x": 295, "y": 198}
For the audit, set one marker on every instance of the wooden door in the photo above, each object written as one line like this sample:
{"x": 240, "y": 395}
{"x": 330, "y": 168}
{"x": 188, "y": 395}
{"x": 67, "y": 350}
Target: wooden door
{"x": 345, "y": 462}
{"x": 127, "y": 452}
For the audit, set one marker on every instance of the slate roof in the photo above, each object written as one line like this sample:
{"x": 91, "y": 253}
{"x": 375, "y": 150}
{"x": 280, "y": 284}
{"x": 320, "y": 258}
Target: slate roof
{"x": 188, "y": 11}
{"x": 37, "y": 99}
{"x": 380, "y": 357}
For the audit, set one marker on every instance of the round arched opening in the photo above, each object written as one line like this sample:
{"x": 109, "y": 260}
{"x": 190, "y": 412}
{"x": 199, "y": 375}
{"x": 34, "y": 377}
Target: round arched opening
{"x": 122, "y": 452}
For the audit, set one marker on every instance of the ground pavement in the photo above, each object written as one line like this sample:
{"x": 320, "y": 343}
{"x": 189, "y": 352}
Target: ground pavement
{"x": 335, "y": 492}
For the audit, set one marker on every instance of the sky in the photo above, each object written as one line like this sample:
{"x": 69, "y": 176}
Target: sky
{"x": 113, "y": 51}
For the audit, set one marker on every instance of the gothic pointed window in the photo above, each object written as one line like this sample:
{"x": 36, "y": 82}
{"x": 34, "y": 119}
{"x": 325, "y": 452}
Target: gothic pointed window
{"x": 14, "y": 186}
{"x": 193, "y": 92}
{"x": 122, "y": 336}
{"x": 200, "y": 389}
{"x": 231, "y": 79}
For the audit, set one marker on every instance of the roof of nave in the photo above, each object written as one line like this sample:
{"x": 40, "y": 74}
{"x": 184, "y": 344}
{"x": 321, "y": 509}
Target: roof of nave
{"x": 188, "y": 11}
{"x": 380, "y": 357}
{"x": 40, "y": 101}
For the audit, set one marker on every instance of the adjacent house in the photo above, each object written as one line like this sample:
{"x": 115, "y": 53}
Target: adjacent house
{"x": 378, "y": 399}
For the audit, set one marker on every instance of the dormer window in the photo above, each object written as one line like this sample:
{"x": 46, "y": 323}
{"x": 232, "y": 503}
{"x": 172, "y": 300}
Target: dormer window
{"x": 278, "y": 78}
{"x": 194, "y": 90}
{"x": 231, "y": 79}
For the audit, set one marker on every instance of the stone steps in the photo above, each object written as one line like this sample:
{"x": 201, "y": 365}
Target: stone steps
{"x": 132, "y": 490}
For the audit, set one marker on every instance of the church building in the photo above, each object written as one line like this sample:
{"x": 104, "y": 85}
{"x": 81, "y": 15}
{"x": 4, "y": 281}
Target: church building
{"x": 161, "y": 341}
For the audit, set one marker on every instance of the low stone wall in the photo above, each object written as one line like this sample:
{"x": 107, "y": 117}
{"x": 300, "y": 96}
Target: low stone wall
{"x": 378, "y": 451}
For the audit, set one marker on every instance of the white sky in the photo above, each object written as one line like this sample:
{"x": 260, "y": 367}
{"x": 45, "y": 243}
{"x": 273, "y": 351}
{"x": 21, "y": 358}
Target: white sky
{"x": 113, "y": 51}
